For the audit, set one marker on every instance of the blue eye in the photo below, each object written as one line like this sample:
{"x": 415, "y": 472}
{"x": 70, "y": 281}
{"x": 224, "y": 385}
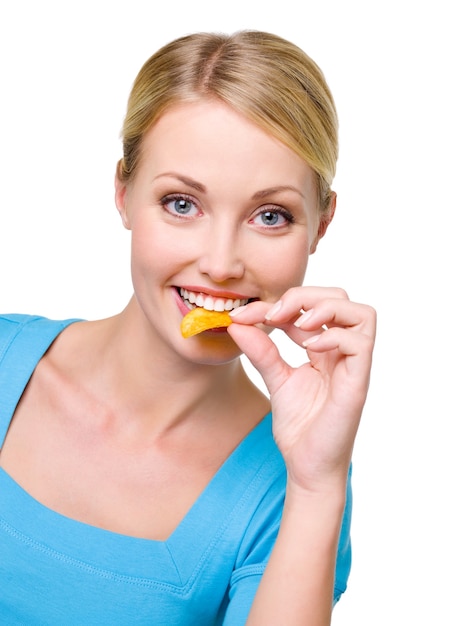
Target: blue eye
{"x": 273, "y": 218}
{"x": 179, "y": 205}
{"x": 270, "y": 218}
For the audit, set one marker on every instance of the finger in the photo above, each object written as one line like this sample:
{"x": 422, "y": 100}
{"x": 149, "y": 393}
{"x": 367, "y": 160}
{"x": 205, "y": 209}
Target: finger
{"x": 252, "y": 313}
{"x": 357, "y": 347}
{"x": 339, "y": 313}
{"x": 293, "y": 302}
{"x": 262, "y": 353}
{"x": 299, "y": 299}
{"x": 255, "y": 313}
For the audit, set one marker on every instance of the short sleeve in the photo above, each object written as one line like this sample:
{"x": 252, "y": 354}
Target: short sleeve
{"x": 257, "y": 548}
{"x": 343, "y": 559}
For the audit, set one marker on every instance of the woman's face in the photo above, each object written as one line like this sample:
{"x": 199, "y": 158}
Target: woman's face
{"x": 220, "y": 213}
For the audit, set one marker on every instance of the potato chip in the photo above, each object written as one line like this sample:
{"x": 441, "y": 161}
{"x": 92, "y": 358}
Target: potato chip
{"x": 198, "y": 320}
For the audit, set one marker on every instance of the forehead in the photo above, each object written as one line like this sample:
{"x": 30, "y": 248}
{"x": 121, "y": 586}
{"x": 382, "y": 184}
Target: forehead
{"x": 209, "y": 136}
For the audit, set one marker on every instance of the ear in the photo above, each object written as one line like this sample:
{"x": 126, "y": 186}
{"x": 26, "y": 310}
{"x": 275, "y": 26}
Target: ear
{"x": 325, "y": 221}
{"x": 120, "y": 192}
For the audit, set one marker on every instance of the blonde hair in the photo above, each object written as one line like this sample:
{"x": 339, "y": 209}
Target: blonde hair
{"x": 263, "y": 76}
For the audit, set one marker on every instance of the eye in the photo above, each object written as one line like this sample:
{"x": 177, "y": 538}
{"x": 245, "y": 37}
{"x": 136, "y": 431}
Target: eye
{"x": 273, "y": 217}
{"x": 180, "y": 205}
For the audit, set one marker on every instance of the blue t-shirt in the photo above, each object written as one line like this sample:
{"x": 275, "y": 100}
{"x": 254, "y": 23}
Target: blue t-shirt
{"x": 55, "y": 570}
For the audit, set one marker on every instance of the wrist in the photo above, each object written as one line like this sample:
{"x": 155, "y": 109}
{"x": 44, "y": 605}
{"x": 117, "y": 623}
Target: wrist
{"x": 316, "y": 512}
{"x": 329, "y": 487}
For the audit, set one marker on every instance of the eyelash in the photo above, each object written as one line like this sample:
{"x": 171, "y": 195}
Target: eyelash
{"x": 287, "y": 215}
{"x": 166, "y": 200}
{"x": 174, "y": 197}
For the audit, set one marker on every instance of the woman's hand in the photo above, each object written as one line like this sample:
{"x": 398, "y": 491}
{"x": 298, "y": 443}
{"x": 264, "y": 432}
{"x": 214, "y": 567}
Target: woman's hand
{"x": 317, "y": 406}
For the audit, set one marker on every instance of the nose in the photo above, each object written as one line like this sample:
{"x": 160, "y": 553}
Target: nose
{"x": 221, "y": 258}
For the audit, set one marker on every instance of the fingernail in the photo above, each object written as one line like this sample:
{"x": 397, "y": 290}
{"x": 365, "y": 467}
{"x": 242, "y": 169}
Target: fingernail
{"x": 310, "y": 340}
{"x": 273, "y": 310}
{"x": 303, "y": 318}
{"x": 236, "y": 311}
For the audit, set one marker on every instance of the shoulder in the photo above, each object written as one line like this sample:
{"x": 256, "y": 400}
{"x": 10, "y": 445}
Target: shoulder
{"x": 23, "y": 341}
{"x": 30, "y": 333}
{"x": 12, "y": 322}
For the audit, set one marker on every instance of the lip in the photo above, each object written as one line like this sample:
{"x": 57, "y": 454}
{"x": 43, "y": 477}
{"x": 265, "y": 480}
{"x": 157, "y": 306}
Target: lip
{"x": 205, "y": 291}
{"x": 215, "y": 292}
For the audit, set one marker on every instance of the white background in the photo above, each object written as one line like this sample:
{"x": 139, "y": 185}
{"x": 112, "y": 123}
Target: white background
{"x": 400, "y": 75}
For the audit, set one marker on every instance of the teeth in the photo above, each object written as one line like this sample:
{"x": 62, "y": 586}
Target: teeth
{"x": 219, "y": 305}
{"x": 210, "y": 303}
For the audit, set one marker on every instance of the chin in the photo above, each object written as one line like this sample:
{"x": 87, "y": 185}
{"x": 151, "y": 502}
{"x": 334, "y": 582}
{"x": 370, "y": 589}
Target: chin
{"x": 212, "y": 348}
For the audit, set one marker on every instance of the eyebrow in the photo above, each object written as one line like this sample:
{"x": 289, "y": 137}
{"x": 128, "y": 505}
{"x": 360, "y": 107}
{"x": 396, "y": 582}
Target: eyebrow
{"x": 273, "y": 190}
{"x": 184, "y": 179}
{"x": 190, "y": 182}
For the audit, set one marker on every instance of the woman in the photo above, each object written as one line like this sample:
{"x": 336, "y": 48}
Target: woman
{"x": 144, "y": 478}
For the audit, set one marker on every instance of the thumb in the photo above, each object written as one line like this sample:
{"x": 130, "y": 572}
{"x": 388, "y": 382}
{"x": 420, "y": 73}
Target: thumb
{"x": 262, "y": 353}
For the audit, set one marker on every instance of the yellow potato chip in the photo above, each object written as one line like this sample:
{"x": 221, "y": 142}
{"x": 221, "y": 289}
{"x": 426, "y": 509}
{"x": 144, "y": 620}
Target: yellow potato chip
{"x": 198, "y": 320}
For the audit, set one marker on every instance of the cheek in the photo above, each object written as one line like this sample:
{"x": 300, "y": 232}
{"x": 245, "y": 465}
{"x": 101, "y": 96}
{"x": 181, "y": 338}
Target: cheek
{"x": 150, "y": 252}
{"x": 285, "y": 264}
{"x": 157, "y": 253}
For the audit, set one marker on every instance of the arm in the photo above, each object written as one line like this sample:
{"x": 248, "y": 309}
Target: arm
{"x": 297, "y": 586}
{"x": 316, "y": 413}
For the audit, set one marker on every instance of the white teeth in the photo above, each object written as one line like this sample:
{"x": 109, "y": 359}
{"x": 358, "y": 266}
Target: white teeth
{"x": 210, "y": 303}
{"x": 219, "y": 305}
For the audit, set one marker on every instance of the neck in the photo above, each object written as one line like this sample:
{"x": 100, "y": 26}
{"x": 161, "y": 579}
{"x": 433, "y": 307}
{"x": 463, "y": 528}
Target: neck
{"x": 153, "y": 391}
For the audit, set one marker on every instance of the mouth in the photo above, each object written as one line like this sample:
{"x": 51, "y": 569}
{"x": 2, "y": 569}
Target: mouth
{"x": 193, "y": 300}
